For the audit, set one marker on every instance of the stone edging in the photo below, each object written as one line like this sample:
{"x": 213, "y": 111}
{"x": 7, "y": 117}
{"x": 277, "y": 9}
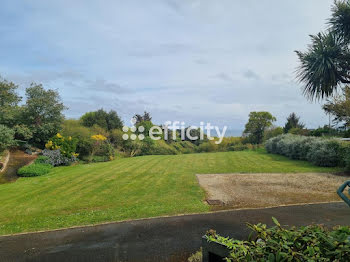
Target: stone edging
{"x": 7, "y": 158}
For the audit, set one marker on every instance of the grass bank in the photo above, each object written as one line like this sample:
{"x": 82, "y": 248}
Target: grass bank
{"x": 126, "y": 188}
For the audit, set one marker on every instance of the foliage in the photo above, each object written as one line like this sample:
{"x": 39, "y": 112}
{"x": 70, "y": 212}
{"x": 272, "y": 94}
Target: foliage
{"x": 160, "y": 147}
{"x": 142, "y": 118}
{"x": 293, "y": 121}
{"x": 324, "y": 131}
{"x": 42, "y": 113}
{"x": 207, "y": 147}
{"x": 116, "y": 138}
{"x": 41, "y": 160}
{"x": 6, "y": 137}
{"x": 101, "y": 147}
{"x": 67, "y": 145}
{"x": 22, "y": 132}
{"x": 325, "y": 65}
{"x": 339, "y": 107}
{"x": 272, "y": 132}
{"x": 257, "y": 124}
{"x": 310, "y": 243}
{"x": 8, "y": 102}
{"x": 81, "y": 133}
{"x": 196, "y": 257}
{"x": 55, "y": 158}
{"x": 340, "y": 19}
{"x": 35, "y": 169}
{"x": 107, "y": 121}
{"x": 328, "y": 152}
{"x": 298, "y": 131}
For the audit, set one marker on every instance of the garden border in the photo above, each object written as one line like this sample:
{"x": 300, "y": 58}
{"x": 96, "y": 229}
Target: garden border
{"x": 5, "y": 163}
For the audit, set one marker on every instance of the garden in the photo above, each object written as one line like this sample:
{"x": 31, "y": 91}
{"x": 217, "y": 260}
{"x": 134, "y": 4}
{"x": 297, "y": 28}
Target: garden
{"x": 83, "y": 171}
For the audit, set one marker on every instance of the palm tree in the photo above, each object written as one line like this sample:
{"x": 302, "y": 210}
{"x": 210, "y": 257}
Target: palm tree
{"x": 325, "y": 66}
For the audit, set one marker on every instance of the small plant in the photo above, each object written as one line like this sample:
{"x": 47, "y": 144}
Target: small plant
{"x": 35, "y": 169}
{"x": 310, "y": 243}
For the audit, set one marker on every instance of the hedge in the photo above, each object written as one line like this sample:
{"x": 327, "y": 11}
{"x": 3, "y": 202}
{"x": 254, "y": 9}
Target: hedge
{"x": 35, "y": 169}
{"x": 327, "y": 152}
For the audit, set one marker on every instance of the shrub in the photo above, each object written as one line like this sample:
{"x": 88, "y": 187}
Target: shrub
{"x": 55, "y": 158}
{"x": 160, "y": 147}
{"x": 6, "y": 137}
{"x": 102, "y": 147}
{"x": 327, "y": 152}
{"x": 81, "y": 133}
{"x": 310, "y": 243}
{"x": 22, "y": 132}
{"x": 207, "y": 147}
{"x": 42, "y": 160}
{"x": 67, "y": 145}
{"x": 272, "y": 132}
{"x": 116, "y": 137}
{"x": 35, "y": 169}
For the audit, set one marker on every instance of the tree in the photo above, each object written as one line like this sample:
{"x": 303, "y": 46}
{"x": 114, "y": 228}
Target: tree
{"x": 325, "y": 66}
{"x": 339, "y": 107}
{"x": 8, "y": 103}
{"x": 142, "y": 118}
{"x": 293, "y": 121}
{"x": 114, "y": 121}
{"x": 107, "y": 121}
{"x": 42, "y": 113}
{"x": 272, "y": 132}
{"x": 6, "y": 137}
{"x": 257, "y": 124}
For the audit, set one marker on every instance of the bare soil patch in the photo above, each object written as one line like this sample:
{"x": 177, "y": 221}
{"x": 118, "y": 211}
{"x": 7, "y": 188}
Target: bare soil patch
{"x": 268, "y": 190}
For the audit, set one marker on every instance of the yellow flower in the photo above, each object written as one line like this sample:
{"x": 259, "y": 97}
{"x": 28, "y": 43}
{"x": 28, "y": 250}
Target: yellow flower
{"x": 99, "y": 137}
{"x": 69, "y": 138}
{"x": 49, "y": 145}
{"x": 59, "y": 135}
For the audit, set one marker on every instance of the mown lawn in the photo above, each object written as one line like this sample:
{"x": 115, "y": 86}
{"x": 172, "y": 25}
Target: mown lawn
{"x": 126, "y": 188}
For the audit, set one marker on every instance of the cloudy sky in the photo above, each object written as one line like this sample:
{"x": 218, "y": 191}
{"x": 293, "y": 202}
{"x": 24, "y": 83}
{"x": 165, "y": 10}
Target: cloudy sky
{"x": 187, "y": 60}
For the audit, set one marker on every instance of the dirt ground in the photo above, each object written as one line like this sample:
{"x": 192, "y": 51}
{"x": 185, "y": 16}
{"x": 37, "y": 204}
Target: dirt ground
{"x": 269, "y": 190}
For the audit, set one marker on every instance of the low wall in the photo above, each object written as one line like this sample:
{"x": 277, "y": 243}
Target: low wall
{"x": 5, "y": 160}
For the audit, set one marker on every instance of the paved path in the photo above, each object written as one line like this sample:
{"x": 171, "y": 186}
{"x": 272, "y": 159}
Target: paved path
{"x": 158, "y": 239}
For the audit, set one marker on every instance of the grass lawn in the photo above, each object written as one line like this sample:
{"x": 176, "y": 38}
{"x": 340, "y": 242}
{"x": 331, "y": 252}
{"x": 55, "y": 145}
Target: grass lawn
{"x": 126, "y": 188}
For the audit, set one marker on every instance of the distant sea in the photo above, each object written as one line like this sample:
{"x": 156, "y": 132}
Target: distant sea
{"x": 233, "y": 132}
{"x": 229, "y": 132}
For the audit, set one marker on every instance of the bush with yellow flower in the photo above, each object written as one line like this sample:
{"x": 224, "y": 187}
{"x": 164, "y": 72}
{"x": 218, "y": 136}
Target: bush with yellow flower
{"x": 102, "y": 149}
{"x": 67, "y": 145}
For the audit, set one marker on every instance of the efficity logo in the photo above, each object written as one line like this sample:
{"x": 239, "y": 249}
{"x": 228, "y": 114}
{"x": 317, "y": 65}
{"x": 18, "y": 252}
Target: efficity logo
{"x": 133, "y": 129}
{"x": 175, "y": 130}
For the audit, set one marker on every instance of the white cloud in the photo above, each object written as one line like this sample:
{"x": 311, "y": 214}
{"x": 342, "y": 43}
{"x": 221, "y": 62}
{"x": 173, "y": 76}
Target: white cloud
{"x": 196, "y": 60}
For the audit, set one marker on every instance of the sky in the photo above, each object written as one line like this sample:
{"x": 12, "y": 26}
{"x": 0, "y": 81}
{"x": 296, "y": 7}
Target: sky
{"x": 184, "y": 60}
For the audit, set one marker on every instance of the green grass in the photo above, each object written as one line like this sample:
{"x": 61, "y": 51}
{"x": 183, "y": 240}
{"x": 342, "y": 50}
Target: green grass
{"x": 126, "y": 188}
